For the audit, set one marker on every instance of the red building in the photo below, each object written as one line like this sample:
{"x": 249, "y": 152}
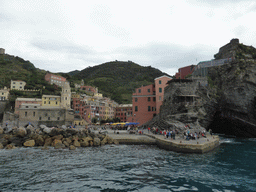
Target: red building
{"x": 123, "y": 112}
{"x": 184, "y": 71}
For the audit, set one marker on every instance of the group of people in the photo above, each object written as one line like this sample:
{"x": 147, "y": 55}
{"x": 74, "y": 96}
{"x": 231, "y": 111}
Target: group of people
{"x": 194, "y": 136}
{"x": 170, "y": 134}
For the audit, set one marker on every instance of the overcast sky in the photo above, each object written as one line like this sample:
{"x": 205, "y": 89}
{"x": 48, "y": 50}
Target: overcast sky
{"x": 64, "y": 35}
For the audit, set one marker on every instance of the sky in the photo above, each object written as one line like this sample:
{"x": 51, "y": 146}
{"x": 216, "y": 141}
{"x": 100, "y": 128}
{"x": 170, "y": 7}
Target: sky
{"x": 64, "y": 35}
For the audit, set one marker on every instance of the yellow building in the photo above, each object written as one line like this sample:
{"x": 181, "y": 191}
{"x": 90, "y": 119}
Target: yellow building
{"x": 50, "y": 101}
{"x": 18, "y": 85}
{"x": 4, "y": 94}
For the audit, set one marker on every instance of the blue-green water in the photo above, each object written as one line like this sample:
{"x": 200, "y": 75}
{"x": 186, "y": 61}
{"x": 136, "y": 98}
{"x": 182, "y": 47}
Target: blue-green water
{"x": 231, "y": 167}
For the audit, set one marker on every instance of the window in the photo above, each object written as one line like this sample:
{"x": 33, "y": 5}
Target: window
{"x": 149, "y": 90}
{"x": 26, "y": 113}
{"x": 58, "y": 118}
{"x": 136, "y": 108}
{"x": 26, "y": 106}
{"x": 49, "y": 102}
{"x": 40, "y": 118}
{"x": 13, "y": 82}
{"x": 136, "y": 99}
{"x": 139, "y": 90}
{"x": 56, "y": 102}
{"x": 154, "y": 99}
{"x": 160, "y": 90}
{"x": 149, "y": 99}
{"x": 160, "y": 98}
{"x": 34, "y": 114}
{"x": 49, "y": 118}
{"x": 44, "y": 102}
{"x": 160, "y": 82}
{"x": 149, "y": 108}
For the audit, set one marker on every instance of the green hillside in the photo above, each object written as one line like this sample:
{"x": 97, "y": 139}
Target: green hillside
{"x": 117, "y": 79}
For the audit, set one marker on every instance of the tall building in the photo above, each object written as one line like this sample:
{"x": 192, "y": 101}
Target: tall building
{"x": 147, "y": 100}
{"x": 18, "y": 85}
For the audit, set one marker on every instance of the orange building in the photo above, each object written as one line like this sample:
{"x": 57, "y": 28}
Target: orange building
{"x": 55, "y": 79}
{"x": 124, "y": 111}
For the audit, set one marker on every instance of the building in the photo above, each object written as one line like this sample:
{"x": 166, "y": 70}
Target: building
{"x": 89, "y": 88}
{"x": 123, "y": 112}
{"x": 147, "y": 100}
{"x": 51, "y": 101}
{"x": 143, "y": 104}
{"x": 2, "y": 51}
{"x": 17, "y": 85}
{"x": 160, "y": 84}
{"x": 184, "y": 72}
{"x": 55, "y": 79}
{"x": 51, "y": 110}
{"x": 66, "y": 96}
{"x": 20, "y": 101}
{"x": 4, "y": 94}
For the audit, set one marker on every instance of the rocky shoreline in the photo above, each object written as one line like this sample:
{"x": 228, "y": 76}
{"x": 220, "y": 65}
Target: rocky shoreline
{"x": 46, "y": 137}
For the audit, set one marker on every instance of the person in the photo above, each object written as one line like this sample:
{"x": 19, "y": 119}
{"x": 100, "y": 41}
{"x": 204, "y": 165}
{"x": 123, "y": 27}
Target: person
{"x": 210, "y": 131}
{"x": 173, "y": 135}
{"x": 164, "y": 134}
{"x": 148, "y": 129}
{"x": 167, "y": 134}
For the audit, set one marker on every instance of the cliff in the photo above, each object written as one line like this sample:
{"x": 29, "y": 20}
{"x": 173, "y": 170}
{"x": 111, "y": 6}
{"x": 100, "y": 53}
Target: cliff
{"x": 224, "y": 101}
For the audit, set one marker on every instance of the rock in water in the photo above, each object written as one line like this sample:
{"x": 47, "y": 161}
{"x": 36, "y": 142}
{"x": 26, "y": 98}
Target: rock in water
{"x": 76, "y": 144}
{"x": 1, "y": 146}
{"x": 72, "y": 147}
{"x": 29, "y": 143}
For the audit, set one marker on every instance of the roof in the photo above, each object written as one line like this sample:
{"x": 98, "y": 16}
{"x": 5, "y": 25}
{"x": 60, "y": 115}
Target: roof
{"x": 28, "y": 99}
{"x": 163, "y": 76}
{"x": 50, "y": 96}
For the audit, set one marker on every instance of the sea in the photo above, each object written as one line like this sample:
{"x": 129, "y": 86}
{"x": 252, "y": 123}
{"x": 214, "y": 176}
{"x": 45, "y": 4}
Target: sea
{"x": 230, "y": 167}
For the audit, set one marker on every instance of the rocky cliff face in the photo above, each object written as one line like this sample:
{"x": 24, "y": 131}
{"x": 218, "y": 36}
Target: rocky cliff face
{"x": 226, "y": 105}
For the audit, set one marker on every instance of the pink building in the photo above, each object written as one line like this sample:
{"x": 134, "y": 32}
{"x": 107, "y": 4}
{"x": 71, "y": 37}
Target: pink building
{"x": 55, "y": 79}
{"x": 147, "y": 100}
{"x": 160, "y": 84}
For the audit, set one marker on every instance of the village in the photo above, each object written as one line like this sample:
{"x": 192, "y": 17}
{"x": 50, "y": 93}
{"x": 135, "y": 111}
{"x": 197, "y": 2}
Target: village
{"x": 72, "y": 109}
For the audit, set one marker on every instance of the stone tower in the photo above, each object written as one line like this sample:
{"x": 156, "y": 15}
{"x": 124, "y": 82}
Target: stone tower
{"x": 66, "y": 96}
{"x": 2, "y": 51}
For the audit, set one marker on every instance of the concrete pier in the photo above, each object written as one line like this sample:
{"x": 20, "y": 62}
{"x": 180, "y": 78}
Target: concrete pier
{"x": 201, "y": 145}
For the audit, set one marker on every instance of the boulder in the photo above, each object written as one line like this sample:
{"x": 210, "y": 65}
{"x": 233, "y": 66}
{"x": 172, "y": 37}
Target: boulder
{"x": 59, "y": 137}
{"x": 55, "y": 142}
{"x": 96, "y": 142}
{"x": 21, "y": 132}
{"x": 68, "y": 140}
{"x": 104, "y": 141}
{"x": 10, "y": 146}
{"x": 45, "y": 148}
{"x": 1, "y": 146}
{"x": 59, "y": 146}
{"x": 1, "y": 130}
{"x": 29, "y": 143}
{"x": 17, "y": 141}
{"x": 65, "y": 143}
{"x": 87, "y": 139}
{"x": 56, "y": 131}
{"x": 72, "y": 147}
{"x": 39, "y": 140}
{"x": 84, "y": 143}
{"x": 91, "y": 143}
{"x": 48, "y": 141}
{"x": 47, "y": 130}
{"x": 4, "y": 141}
{"x": 76, "y": 143}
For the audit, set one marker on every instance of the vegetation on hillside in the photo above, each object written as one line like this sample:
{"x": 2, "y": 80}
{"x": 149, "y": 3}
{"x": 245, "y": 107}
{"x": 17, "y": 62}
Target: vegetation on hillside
{"x": 117, "y": 79}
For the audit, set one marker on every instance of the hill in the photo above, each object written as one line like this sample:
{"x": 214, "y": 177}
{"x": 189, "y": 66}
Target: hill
{"x": 117, "y": 79}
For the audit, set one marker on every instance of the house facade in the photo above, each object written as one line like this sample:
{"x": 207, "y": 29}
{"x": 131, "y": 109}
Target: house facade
{"x": 143, "y": 104}
{"x": 4, "y": 94}
{"x": 160, "y": 84}
{"x": 17, "y": 85}
{"x": 123, "y": 112}
{"x": 55, "y": 79}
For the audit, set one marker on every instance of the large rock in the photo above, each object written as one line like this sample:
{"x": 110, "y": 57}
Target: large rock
{"x": 84, "y": 143}
{"x": 1, "y": 146}
{"x": 59, "y": 146}
{"x": 55, "y": 142}
{"x": 87, "y": 139}
{"x": 59, "y": 137}
{"x": 47, "y": 130}
{"x": 48, "y": 141}
{"x": 76, "y": 143}
{"x": 1, "y": 130}
{"x": 96, "y": 142}
{"x": 17, "y": 141}
{"x": 29, "y": 143}
{"x": 4, "y": 141}
{"x": 65, "y": 143}
{"x": 10, "y": 146}
{"x": 72, "y": 147}
{"x": 39, "y": 140}
{"x": 20, "y": 132}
